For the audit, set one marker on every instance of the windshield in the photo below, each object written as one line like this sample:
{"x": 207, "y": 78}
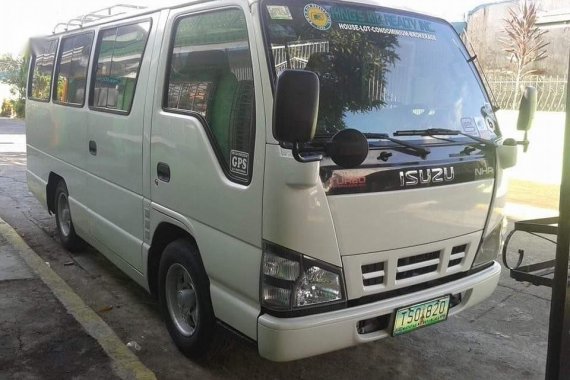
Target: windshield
{"x": 380, "y": 70}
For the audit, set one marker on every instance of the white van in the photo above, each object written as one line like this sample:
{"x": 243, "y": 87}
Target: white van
{"x": 314, "y": 174}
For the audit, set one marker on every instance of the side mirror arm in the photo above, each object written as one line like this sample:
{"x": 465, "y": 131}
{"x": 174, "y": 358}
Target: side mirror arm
{"x": 304, "y": 159}
{"x": 524, "y": 142}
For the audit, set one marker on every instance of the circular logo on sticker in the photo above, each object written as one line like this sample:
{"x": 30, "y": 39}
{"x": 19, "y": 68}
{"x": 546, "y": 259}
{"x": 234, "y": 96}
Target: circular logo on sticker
{"x": 317, "y": 16}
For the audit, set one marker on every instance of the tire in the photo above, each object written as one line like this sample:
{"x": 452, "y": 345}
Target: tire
{"x": 184, "y": 297}
{"x": 67, "y": 236}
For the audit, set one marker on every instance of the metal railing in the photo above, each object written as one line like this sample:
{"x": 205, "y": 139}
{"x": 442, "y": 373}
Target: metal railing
{"x": 80, "y": 21}
{"x": 299, "y": 54}
{"x": 551, "y": 91}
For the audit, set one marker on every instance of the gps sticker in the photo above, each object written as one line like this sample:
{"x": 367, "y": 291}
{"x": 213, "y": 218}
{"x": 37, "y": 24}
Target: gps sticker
{"x": 239, "y": 162}
{"x": 317, "y": 16}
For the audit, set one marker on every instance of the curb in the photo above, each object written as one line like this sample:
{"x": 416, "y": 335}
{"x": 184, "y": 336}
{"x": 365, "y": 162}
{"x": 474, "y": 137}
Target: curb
{"x": 125, "y": 363}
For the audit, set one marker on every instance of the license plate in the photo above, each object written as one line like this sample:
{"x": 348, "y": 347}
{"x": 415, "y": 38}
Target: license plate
{"x": 423, "y": 314}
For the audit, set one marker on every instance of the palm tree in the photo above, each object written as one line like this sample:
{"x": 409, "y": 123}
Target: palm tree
{"x": 524, "y": 41}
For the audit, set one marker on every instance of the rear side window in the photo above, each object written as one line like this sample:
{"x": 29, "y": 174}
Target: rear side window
{"x": 73, "y": 61}
{"x": 211, "y": 77}
{"x": 119, "y": 55}
{"x": 43, "y": 57}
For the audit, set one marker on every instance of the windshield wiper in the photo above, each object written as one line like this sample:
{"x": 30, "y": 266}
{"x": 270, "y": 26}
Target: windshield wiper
{"x": 432, "y": 132}
{"x": 421, "y": 151}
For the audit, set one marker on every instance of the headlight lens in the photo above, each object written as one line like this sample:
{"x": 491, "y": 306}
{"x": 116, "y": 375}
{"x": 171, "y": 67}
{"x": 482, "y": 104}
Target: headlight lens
{"x": 292, "y": 281}
{"x": 317, "y": 285}
{"x": 491, "y": 246}
{"x": 280, "y": 267}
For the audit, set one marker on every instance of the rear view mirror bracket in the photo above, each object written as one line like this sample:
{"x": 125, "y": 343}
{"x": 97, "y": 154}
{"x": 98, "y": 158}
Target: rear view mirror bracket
{"x": 312, "y": 157}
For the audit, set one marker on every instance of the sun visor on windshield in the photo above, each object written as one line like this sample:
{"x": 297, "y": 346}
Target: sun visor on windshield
{"x": 324, "y": 17}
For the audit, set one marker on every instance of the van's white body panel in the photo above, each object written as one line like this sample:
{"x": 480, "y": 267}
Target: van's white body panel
{"x": 416, "y": 216}
{"x": 296, "y": 210}
{"x": 118, "y": 203}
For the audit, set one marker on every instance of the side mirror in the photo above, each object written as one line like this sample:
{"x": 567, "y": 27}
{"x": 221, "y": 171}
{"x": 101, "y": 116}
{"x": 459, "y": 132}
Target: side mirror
{"x": 295, "y": 110}
{"x": 527, "y": 109}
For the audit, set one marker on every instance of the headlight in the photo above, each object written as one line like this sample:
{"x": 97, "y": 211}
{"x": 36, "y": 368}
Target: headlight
{"x": 291, "y": 281}
{"x": 491, "y": 246}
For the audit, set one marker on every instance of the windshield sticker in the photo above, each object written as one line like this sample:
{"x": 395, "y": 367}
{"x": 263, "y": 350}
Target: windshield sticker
{"x": 397, "y": 32}
{"x": 468, "y": 126}
{"x": 279, "y": 12}
{"x": 381, "y": 22}
{"x": 480, "y": 123}
{"x": 317, "y": 16}
{"x": 239, "y": 162}
{"x": 483, "y": 131}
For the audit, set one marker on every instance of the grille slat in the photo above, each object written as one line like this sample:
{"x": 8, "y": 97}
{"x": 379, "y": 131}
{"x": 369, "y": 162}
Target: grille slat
{"x": 457, "y": 256}
{"x": 373, "y": 274}
{"x": 458, "y": 253}
{"x": 418, "y": 258}
{"x": 417, "y": 265}
{"x": 367, "y": 276}
{"x": 406, "y": 268}
{"x": 416, "y": 272}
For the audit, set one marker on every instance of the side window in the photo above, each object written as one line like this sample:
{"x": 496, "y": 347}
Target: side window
{"x": 211, "y": 77}
{"x": 119, "y": 55}
{"x": 72, "y": 64}
{"x": 43, "y": 57}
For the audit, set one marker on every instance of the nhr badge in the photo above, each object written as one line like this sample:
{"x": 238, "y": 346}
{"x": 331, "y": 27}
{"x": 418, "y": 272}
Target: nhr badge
{"x": 317, "y": 16}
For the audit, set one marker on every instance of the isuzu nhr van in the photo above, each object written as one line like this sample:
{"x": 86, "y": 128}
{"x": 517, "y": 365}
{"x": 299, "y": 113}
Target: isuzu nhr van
{"x": 312, "y": 174}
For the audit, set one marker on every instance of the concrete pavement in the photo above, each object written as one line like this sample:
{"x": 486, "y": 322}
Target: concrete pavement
{"x": 46, "y": 330}
{"x": 39, "y": 339}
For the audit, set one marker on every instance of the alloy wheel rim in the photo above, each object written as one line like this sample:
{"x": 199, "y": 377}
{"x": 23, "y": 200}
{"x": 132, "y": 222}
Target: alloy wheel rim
{"x": 64, "y": 214}
{"x": 181, "y": 299}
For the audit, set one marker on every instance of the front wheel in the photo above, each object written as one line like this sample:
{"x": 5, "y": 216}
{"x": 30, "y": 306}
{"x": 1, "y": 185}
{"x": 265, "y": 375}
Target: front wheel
{"x": 184, "y": 295}
{"x": 65, "y": 228}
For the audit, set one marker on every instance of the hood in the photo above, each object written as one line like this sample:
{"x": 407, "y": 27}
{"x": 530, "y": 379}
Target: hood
{"x": 401, "y": 205}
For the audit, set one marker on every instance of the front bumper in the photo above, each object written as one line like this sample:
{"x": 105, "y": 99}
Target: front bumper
{"x": 284, "y": 339}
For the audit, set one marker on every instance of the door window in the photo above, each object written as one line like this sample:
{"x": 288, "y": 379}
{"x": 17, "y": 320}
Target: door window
{"x": 211, "y": 77}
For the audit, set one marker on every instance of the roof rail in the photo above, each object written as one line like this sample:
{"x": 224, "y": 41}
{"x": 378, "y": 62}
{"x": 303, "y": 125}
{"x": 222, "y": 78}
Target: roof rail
{"x": 81, "y": 21}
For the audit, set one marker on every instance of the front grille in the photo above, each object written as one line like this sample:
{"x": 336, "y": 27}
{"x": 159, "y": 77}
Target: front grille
{"x": 417, "y": 265}
{"x": 458, "y": 253}
{"x": 375, "y": 275}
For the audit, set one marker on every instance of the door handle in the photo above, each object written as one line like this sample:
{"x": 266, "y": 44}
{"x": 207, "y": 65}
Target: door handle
{"x": 92, "y": 147}
{"x": 163, "y": 172}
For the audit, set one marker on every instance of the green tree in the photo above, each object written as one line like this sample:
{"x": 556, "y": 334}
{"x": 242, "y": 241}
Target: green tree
{"x": 6, "y": 110}
{"x": 524, "y": 42}
{"x": 354, "y": 61}
{"x": 14, "y": 72}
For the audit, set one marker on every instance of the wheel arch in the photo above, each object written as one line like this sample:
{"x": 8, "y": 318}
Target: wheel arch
{"x": 164, "y": 234}
{"x": 53, "y": 180}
